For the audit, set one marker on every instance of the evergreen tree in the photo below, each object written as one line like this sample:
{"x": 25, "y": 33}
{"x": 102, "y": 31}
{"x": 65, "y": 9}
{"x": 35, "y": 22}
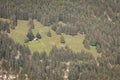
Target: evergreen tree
{"x": 62, "y": 40}
{"x": 30, "y": 35}
{"x": 49, "y": 33}
{"x": 6, "y": 25}
{"x": 86, "y": 44}
{"x": 31, "y": 23}
{"x": 36, "y": 56}
{"x": 13, "y": 21}
{"x": 54, "y": 27}
{"x": 38, "y": 35}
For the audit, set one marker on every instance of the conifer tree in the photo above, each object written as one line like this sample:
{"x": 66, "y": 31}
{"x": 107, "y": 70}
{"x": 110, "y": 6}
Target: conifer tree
{"x": 49, "y": 33}
{"x": 62, "y": 40}
{"x": 54, "y": 27}
{"x": 13, "y": 21}
{"x": 30, "y": 35}
{"x": 31, "y": 23}
{"x": 38, "y": 35}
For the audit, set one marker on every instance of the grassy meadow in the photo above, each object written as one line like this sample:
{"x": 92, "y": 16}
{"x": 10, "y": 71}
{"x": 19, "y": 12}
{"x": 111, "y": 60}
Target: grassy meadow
{"x": 46, "y": 43}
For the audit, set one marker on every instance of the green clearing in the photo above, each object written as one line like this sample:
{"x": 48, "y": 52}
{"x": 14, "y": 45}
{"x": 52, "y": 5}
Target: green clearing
{"x": 46, "y": 43}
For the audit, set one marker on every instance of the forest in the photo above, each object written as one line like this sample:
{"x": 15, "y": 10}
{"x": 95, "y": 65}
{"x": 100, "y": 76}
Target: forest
{"x": 98, "y": 21}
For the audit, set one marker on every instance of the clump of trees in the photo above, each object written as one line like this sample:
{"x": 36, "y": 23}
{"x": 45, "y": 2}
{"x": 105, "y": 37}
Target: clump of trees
{"x": 30, "y": 36}
{"x": 4, "y": 26}
{"x": 13, "y": 56}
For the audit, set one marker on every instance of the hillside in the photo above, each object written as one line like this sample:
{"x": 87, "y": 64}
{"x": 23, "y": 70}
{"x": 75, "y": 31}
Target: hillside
{"x": 59, "y": 39}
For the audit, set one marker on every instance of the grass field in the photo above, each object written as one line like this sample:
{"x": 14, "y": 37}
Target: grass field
{"x": 46, "y": 43}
